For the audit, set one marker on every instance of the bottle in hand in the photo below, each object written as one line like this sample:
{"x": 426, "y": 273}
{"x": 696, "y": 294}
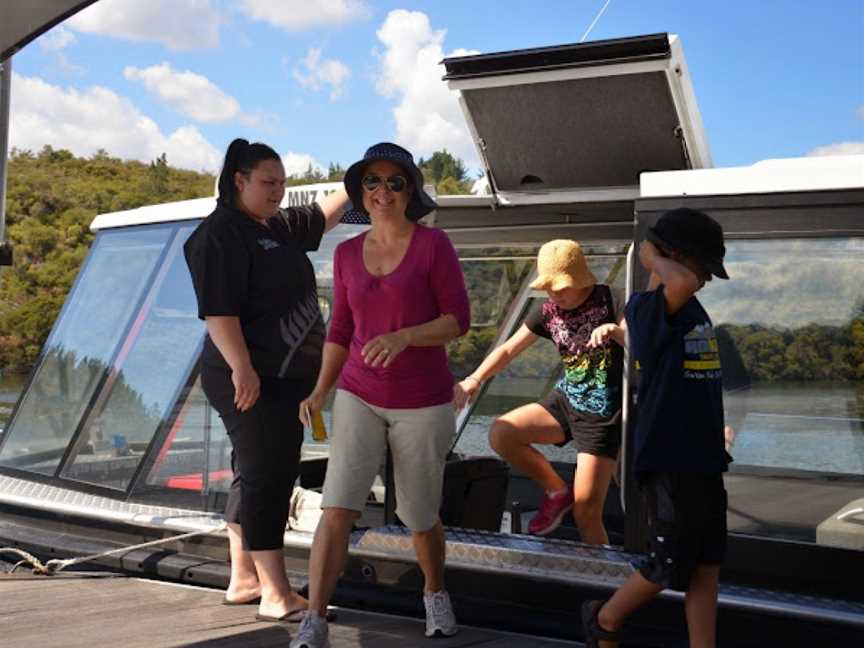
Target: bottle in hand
{"x": 319, "y": 430}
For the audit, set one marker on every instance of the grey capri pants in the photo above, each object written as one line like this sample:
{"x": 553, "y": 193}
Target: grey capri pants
{"x": 419, "y": 440}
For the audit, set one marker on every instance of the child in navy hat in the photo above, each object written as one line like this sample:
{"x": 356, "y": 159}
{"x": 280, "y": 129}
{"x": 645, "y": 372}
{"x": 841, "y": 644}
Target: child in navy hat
{"x": 679, "y": 445}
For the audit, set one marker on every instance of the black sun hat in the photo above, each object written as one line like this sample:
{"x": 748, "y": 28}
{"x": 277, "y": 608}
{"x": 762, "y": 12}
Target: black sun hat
{"x": 694, "y": 234}
{"x": 420, "y": 202}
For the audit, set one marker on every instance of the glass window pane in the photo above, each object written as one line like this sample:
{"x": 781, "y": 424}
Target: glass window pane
{"x": 152, "y": 365}
{"x": 790, "y": 325}
{"x": 493, "y": 277}
{"x": 80, "y": 348}
{"x": 534, "y": 372}
{"x": 196, "y": 455}
{"x": 527, "y": 378}
{"x": 322, "y": 260}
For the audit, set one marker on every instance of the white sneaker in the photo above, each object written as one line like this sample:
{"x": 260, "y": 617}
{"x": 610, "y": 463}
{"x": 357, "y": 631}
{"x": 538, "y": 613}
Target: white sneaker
{"x": 440, "y": 619}
{"x": 312, "y": 633}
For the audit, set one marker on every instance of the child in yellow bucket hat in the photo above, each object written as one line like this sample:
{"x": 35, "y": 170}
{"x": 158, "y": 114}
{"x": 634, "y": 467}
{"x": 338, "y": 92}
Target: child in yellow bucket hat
{"x": 584, "y": 320}
{"x": 561, "y": 264}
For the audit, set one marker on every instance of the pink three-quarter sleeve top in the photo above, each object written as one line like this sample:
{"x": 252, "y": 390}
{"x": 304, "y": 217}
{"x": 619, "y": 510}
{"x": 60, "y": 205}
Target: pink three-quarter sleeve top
{"x": 426, "y": 284}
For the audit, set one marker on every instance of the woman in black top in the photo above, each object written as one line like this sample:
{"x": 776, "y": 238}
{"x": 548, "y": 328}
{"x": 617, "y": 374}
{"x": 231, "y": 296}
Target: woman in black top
{"x": 256, "y": 291}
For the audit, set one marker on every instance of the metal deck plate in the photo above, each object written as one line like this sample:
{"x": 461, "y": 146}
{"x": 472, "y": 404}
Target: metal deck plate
{"x": 559, "y": 560}
{"x": 517, "y": 555}
{"x": 572, "y": 562}
{"x": 43, "y": 497}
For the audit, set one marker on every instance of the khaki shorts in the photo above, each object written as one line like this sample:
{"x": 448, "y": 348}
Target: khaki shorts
{"x": 419, "y": 440}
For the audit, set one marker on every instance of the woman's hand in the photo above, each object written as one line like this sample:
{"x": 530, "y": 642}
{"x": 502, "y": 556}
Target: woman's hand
{"x": 247, "y": 387}
{"x": 601, "y": 334}
{"x": 464, "y": 392}
{"x": 382, "y": 350}
{"x": 311, "y": 404}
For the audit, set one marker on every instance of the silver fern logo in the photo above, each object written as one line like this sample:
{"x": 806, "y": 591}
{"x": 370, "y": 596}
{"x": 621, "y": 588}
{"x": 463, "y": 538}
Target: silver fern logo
{"x": 267, "y": 244}
{"x": 297, "y": 326}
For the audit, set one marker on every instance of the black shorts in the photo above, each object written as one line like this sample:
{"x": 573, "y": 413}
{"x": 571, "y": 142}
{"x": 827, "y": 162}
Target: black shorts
{"x": 590, "y": 433}
{"x": 686, "y": 525}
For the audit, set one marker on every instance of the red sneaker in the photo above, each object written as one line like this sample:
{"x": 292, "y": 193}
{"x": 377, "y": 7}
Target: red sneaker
{"x": 552, "y": 510}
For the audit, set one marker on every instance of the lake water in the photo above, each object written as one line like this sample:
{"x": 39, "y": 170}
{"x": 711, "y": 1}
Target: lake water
{"x": 807, "y": 426}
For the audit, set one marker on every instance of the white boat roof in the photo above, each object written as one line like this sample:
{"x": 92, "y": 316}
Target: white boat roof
{"x": 767, "y": 176}
{"x": 161, "y": 213}
{"x": 201, "y": 207}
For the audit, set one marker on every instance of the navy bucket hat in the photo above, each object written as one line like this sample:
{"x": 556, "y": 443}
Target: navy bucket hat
{"x": 420, "y": 202}
{"x": 693, "y": 234}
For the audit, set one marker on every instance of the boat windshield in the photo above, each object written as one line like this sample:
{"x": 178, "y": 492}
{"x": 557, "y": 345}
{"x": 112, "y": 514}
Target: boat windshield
{"x": 89, "y": 387}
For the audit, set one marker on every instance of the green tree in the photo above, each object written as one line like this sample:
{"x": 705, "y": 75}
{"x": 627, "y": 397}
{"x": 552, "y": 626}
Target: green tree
{"x": 446, "y": 172}
{"x": 335, "y": 172}
{"x": 157, "y": 177}
{"x": 52, "y": 198}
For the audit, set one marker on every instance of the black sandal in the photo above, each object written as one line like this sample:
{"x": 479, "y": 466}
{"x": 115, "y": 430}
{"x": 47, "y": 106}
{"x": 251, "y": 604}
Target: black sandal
{"x": 594, "y": 632}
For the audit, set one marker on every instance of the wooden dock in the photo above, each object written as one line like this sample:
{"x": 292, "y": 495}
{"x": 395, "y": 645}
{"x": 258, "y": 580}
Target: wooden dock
{"x": 74, "y": 610}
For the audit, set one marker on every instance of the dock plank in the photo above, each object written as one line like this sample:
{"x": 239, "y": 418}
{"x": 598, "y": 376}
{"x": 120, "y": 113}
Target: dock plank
{"x": 79, "y": 610}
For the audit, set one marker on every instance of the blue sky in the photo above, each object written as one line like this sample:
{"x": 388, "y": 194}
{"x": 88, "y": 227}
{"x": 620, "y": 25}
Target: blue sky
{"x": 320, "y": 80}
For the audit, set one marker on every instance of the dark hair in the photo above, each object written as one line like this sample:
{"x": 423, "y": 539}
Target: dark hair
{"x": 243, "y": 157}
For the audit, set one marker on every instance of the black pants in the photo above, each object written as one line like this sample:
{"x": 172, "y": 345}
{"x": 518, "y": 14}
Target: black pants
{"x": 265, "y": 456}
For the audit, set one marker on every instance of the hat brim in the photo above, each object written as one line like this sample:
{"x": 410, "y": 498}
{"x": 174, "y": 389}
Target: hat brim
{"x": 419, "y": 205}
{"x": 715, "y": 267}
{"x": 561, "y": 281}
{"x": 652, "y": 236}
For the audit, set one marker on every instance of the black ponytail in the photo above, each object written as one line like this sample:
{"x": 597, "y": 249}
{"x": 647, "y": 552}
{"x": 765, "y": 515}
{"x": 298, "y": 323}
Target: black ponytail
{"x": 243, "y": 157}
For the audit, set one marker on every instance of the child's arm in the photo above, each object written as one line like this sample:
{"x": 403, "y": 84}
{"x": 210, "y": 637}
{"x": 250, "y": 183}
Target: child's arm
{"x": 493, "y": 363}
{"x": 679, "y": 282}
{"x": 617, "y": 332}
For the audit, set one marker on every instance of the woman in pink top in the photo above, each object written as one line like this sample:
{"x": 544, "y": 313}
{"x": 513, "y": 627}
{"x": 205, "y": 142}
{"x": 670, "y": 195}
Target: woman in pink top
{"x": 399, "y": 297}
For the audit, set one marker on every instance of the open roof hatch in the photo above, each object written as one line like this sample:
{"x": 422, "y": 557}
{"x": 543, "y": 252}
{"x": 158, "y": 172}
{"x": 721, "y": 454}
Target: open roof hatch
{"x": 24, "y": 21}
{"x": 579, "y": 123}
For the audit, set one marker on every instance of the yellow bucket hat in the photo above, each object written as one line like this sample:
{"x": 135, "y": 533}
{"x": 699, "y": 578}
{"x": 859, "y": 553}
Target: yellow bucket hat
{"x": 561, "y": 264}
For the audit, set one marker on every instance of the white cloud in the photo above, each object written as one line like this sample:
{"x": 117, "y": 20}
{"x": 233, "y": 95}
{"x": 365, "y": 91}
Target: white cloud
{"x": 97, "y": 118}
{"x": 296, "y": 164}
{"x": 840, "y": 148}
{"x": 177, "y": 24}
{"x": 428, "y": 117}
{"x": 826, "y": 288}
{"x": 53, "y": 43}
{"x": 189, "y": 94}
{"x": 56, "y": 39}
{"x": 860, "y": 112}
{"x": 319, "y": 73}
{"x": 296, "y": 16}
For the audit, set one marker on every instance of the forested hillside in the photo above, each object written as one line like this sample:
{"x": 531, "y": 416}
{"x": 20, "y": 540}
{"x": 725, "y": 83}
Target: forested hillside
{"x": 52, "y": 197}
{"x": 51, "y": 200}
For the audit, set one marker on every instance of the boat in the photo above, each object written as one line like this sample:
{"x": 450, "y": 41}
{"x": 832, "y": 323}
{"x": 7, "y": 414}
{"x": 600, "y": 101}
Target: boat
{"x": 113, "y": 444}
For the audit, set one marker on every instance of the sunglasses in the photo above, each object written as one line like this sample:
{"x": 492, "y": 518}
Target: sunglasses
{"x": 396, "y": 183}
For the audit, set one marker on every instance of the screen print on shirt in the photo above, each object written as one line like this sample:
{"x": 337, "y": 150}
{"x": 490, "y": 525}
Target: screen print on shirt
{"x": 302, "y": 330}
{"x": 591, "y": 380}
{"x": 679, "y": 414}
